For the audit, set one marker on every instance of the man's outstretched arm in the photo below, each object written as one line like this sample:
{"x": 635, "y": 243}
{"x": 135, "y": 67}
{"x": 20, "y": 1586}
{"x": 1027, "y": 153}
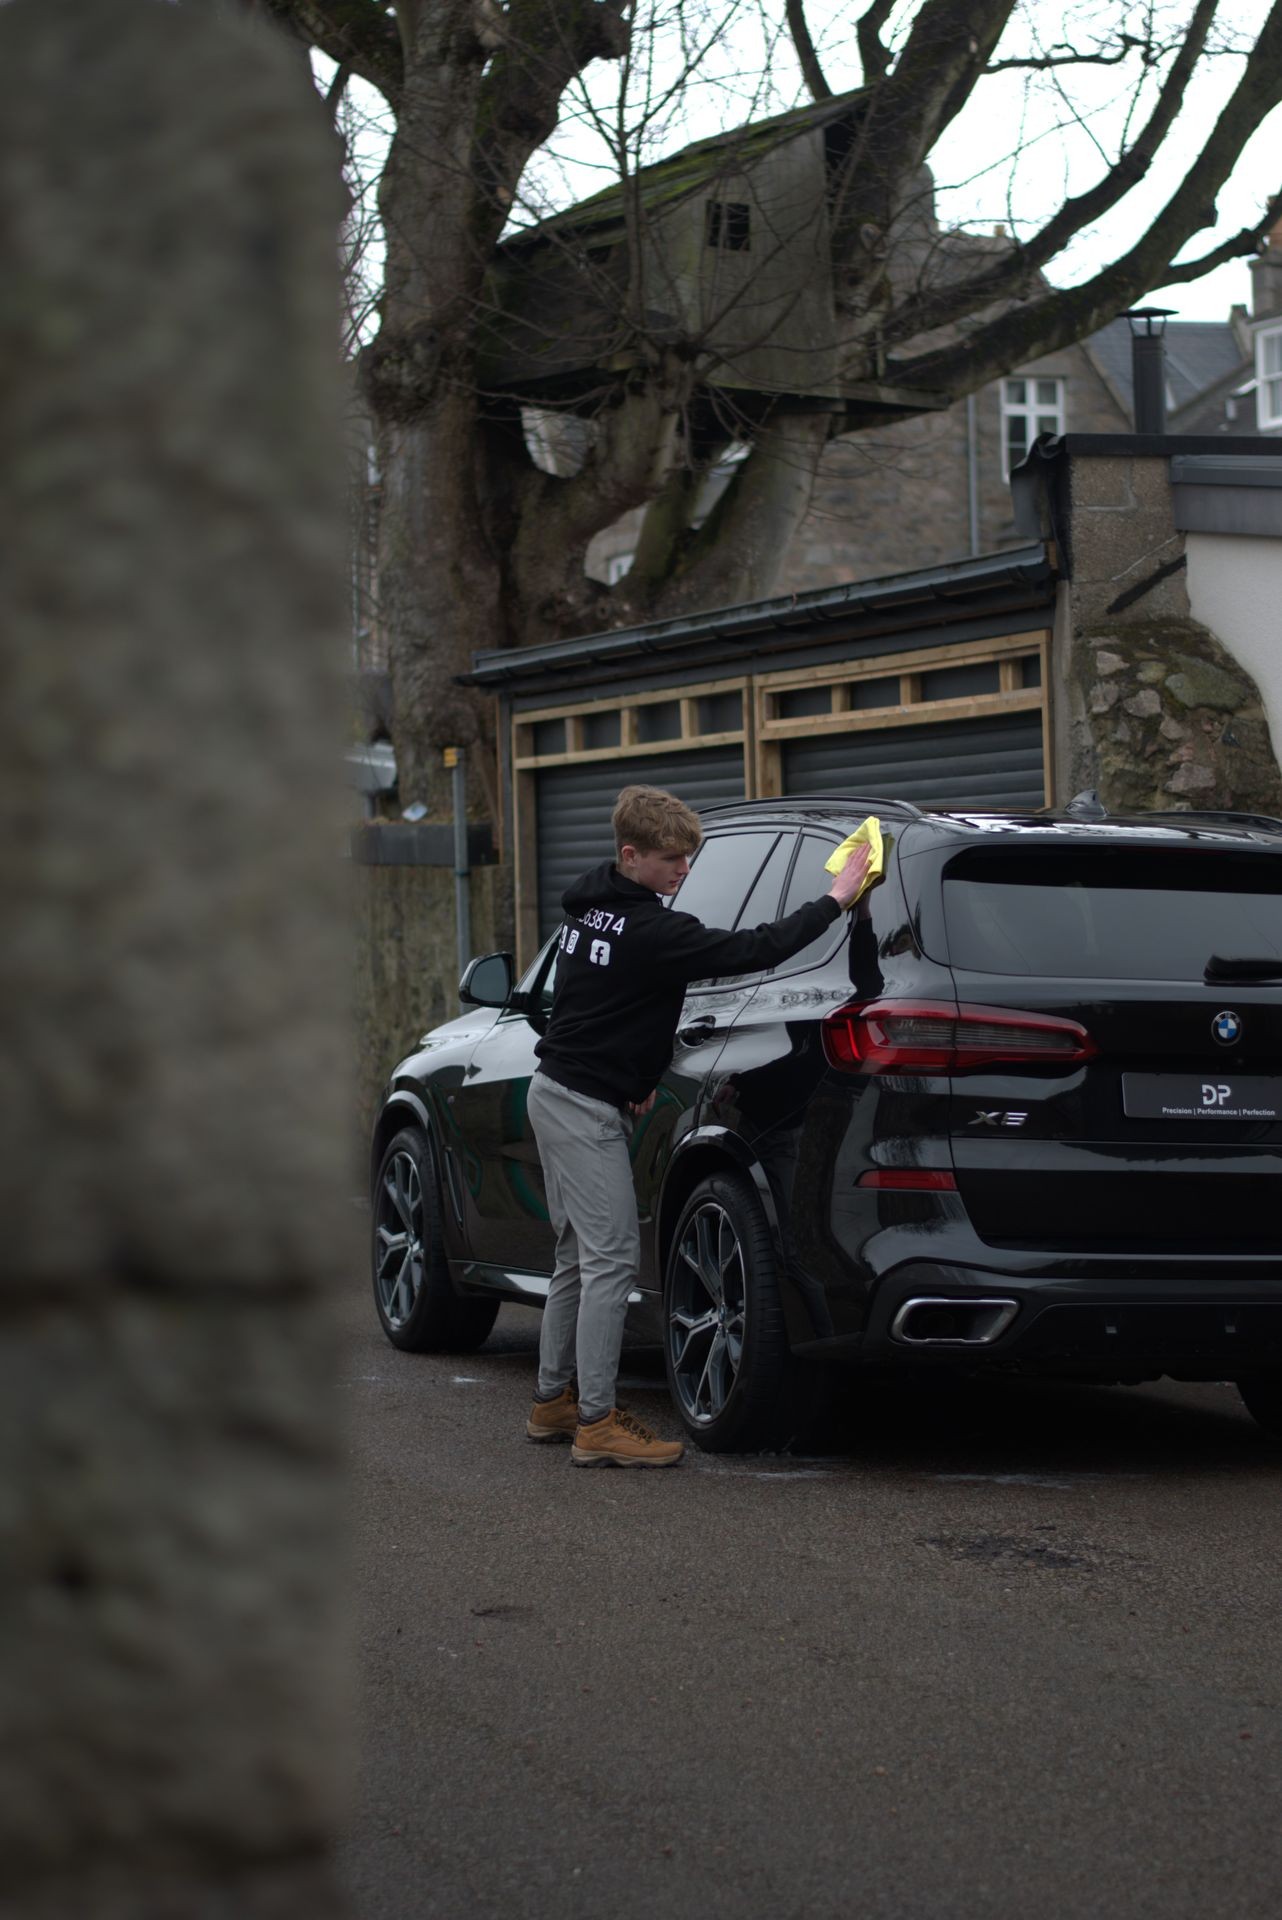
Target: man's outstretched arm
{"x": 696, "y": 952}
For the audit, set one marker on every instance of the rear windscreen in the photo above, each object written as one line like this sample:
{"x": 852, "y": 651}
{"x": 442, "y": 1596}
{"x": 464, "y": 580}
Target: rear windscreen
{"x": 1153, "y": 915}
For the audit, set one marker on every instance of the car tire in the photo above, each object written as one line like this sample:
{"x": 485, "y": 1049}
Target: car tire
{"x": 416, "y": 1303}
{"x": 733, "y": 1379}
{"x": 1262, "y": 1397}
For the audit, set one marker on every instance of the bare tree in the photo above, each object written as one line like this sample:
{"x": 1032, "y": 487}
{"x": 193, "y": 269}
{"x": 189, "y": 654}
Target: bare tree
{"x": 487, "y": 508}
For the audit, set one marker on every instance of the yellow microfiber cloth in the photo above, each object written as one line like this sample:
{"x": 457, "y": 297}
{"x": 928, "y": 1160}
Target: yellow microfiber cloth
{"x": 869, "y": 831}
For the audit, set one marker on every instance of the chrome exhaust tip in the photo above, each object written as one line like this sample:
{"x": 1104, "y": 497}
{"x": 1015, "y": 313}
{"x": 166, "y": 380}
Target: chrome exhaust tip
{"x": 929, "y": 1322}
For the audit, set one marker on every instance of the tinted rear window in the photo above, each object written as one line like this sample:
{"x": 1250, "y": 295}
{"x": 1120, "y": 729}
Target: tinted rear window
{"x": 1122, "y": 915}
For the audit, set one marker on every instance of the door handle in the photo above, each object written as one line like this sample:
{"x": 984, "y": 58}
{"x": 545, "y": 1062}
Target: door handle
{"x": 700, "y": 1028}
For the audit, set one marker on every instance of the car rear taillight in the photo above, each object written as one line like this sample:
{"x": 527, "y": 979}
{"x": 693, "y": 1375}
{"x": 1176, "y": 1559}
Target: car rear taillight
{"x": 909, "y": 1180}
{"x": 925, "y": 1036}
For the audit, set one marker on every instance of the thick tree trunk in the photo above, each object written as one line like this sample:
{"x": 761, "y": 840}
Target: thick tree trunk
{"x": 440, "y": 593}
{"x": 736, "y": 555}
{"x": 440, "y": 584}
{"x": 173, "y": 1149}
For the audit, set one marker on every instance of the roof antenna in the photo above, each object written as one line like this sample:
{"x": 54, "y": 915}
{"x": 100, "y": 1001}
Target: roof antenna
{"x": 1087, "y": 805}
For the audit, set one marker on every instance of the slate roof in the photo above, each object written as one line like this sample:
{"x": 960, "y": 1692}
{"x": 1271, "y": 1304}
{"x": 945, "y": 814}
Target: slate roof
{"x": 1199, "y": 354}
{"x": 1209, "y": 413}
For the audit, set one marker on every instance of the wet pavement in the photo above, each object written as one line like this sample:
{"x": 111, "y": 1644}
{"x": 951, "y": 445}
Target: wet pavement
{"x": 1000, "y": 1649}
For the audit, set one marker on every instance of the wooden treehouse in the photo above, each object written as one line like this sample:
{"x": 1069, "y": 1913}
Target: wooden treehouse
{"x": 730, "y": 248}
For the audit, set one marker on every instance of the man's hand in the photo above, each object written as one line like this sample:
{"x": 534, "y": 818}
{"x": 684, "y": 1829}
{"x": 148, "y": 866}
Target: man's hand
{"x": 851, "y": 878}
{"x": 642, "y": 1106}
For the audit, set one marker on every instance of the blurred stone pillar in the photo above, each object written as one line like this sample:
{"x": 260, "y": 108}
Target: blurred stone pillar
{"x": 173, "y": 1184}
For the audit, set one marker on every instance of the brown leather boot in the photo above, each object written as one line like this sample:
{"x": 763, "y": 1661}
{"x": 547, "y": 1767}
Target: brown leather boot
{"x": 554, "y": 1419}
{"x": 620, "y": 1440}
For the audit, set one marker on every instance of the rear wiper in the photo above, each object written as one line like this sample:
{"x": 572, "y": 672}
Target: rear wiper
{"x": 1220, "y": 968}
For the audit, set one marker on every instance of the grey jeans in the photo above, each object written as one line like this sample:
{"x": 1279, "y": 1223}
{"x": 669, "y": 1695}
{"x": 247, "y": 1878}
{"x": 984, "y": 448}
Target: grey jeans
{"x": 587, "y": 1173}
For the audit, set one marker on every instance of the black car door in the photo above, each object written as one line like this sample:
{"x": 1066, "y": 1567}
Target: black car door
{"x": 737, "y": 882}
{"x": 505, "y": 1211}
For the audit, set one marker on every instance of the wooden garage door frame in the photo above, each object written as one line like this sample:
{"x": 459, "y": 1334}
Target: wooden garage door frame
{"x": 528, "y": 763}
{"x": 1010, "y": 651}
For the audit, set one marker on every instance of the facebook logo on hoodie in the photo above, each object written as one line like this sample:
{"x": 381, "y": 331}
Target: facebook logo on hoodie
{"x": 599, "y": 953}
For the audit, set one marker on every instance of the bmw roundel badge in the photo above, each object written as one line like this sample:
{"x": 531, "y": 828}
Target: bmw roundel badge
{"x": 1227, "y": 1028}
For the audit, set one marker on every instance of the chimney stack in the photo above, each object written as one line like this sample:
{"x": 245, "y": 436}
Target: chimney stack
{"x": 1148, "y": 367}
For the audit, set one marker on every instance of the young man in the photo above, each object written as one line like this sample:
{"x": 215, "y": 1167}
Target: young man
{"x": 622, "y": 970}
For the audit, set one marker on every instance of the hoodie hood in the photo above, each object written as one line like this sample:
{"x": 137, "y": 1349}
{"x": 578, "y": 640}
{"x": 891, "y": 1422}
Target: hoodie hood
{"x": 603, "y": 884}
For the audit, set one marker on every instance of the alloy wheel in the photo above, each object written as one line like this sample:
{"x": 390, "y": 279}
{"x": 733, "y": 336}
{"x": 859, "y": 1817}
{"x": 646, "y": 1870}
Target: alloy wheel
{"x": 398, "y": 1239}
{"x": 706, "y": 1312}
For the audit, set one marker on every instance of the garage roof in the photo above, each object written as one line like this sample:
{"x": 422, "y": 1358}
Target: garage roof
{"x": 933, "y": 596}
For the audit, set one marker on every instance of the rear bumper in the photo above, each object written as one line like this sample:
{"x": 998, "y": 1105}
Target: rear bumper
{"x": 1196, "y": 1324}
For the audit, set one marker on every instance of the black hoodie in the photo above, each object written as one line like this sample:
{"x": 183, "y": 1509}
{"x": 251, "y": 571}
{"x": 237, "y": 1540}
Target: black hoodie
{"x": 624, "y": 963}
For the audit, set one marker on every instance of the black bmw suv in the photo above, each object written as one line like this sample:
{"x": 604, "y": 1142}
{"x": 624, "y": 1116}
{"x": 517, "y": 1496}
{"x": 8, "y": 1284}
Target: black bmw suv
{"x": 1021, "y": 1110}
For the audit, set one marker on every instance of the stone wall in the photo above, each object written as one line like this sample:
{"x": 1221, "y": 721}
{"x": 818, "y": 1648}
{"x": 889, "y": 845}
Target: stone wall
{"x": 174, "y": 1199}
{"x": 895, "y": 500}
{"x": 1154, "y": 710}
{"x": 407, "y": 960}
{"x": 1170, "y": 720}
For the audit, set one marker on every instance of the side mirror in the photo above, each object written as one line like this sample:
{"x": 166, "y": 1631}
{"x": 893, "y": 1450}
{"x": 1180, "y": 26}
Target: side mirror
{"x": 487, "y": 981}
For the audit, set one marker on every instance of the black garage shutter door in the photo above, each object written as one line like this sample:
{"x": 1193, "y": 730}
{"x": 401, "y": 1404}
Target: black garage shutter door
{"x": 950, "y": 763}
{"x": 575, "y": 804}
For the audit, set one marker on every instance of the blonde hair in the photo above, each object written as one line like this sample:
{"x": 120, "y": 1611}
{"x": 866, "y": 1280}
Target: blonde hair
{"x": 653, "y": 821}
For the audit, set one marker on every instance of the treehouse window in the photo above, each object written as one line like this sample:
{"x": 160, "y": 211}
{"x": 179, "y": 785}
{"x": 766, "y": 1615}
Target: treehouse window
{"x": 730, "y": 225}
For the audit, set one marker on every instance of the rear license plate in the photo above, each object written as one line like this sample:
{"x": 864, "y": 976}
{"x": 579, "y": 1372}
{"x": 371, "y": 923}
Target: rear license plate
{"x": 1192, "y": 1096}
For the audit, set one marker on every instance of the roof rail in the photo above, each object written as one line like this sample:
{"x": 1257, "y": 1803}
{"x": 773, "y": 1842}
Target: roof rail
{"x": 846, "y": 802}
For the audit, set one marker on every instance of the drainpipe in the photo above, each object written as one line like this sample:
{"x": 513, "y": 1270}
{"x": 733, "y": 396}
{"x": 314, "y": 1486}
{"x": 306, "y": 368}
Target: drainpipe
{"x": 972, "y": 475}
{"x": 455, "y": 760}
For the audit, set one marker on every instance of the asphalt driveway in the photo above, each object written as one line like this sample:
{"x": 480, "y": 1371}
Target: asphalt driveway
{"x": 1011, "y": 1650}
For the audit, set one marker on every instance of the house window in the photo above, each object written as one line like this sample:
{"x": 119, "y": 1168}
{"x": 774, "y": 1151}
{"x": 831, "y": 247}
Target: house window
{"x": 1029, "y": 407}
{"x": 1268, "y": 374}
{"x": 730, "y": 225}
